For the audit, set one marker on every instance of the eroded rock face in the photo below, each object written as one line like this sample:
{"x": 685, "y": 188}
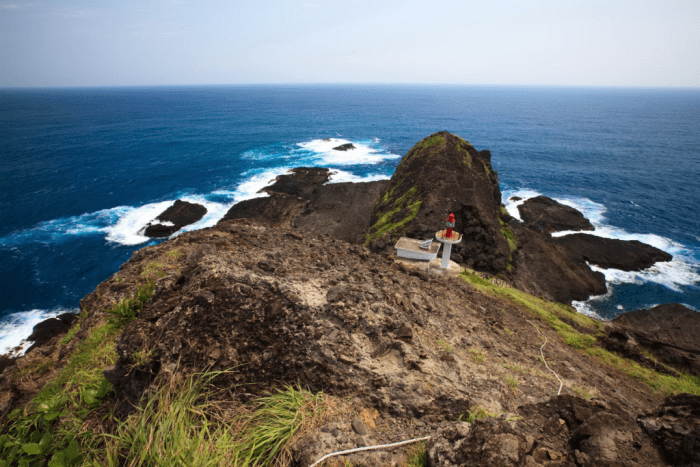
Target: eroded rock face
{"x": 280, "y": 307}
{"x": 675, "y": 427}
{"x": 564, "y": 430}
{"x": 444, "y": 174}
{"x": 547, "y": 215}
{"x": 177, "y": 216}
{"x": 670, "y": 332}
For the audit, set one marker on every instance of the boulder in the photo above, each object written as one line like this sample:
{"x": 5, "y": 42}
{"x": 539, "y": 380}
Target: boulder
{"x": 344, "y": 147}
{"x": 627, "y": 255}
{"x": 180, "y": 214}
{"x": 545, "y": 214}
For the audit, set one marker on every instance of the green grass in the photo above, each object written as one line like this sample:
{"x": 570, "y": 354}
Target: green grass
{"x": 445, "y": 346}
{"x": 477, "y": 413}
{"x": 173, "y": 254}
{"x": 466, "y": 157}
{"x": 384, "y": 224}
{"x": 276, "y": 421}
{"x": 514, "y": 367}
{"x": 51, "y": 427}
{"x": 554, "y": 315}
{"x": 388, "y": 194}
{"x": 477, "y": 355}
{"x": 417, "y": 455}
{"x": 153, "y": 268}
{"x": 71, "y": 333}
{"x": 583, "y": 392}
{"x": 429, "y": 142}
{"x": 125, "y": 311}
{"x": 512, "y": 382}
{"x": 178, "y": 425}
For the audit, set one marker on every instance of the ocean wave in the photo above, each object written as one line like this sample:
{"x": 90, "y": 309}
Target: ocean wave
{"x": 16, "y": 327}
{"x": 341, "y": 176}
{"x": 321, "y": 152}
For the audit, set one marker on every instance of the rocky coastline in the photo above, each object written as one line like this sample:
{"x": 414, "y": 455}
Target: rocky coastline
{"x": 300, "y": 288}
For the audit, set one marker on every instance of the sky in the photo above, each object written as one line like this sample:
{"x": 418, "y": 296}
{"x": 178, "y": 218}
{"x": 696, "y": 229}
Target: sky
{"x": 517, "y": 42}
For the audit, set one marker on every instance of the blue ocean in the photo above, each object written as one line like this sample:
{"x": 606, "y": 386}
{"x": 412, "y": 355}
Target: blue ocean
{"x": 83, "y": 170}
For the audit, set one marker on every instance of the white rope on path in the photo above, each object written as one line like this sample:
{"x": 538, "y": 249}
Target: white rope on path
{"x": 368, "y": 448}
{"x": 415, "y": 440}
{"x": 545, "y": 361}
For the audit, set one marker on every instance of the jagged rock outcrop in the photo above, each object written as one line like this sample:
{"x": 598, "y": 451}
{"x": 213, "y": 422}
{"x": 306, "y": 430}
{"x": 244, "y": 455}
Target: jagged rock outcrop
{"x": 627, "y": 255}
{"x": 301, "y": 200}
{"x": 344, "y": 147}
{"x": 50, "y": 328}
{"x": 545, "y": 214}
{"x": 545, "y": 268}
{"x": 670, "y": 332}
{"x": 675, "y": 428}
{"x": 180, "y": 214}
{"x": 564, "y": 430}
{"x": 444, "y": 174}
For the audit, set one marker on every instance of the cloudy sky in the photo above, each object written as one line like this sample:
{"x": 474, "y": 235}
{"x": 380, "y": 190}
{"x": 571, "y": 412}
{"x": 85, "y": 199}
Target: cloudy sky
{"x": 520, "y": 42}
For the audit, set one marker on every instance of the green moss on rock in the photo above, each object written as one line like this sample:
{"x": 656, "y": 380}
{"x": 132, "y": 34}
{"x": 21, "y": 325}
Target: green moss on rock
{"x": 384, "y": 224}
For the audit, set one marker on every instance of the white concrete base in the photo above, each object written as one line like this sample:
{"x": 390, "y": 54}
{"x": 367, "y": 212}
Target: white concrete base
{"x": 432, "y": 267}
{"x": 452, "y": 270}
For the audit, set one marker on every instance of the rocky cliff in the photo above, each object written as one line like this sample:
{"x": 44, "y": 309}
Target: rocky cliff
{"x": 282, "y": 291}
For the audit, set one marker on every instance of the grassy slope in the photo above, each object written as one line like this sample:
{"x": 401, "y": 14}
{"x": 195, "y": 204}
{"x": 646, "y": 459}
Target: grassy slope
{"x": 556, "y": 315}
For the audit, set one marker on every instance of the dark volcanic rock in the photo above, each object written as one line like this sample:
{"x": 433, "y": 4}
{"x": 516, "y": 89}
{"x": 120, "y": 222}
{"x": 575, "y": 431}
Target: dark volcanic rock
{"x": 669, "y": 331}
{"x": 300, "y": 182}
{"x": 564, "y": 430}
{"x": 630, "y": 255}
{"x": 444, "y": 174}
{"x": 50, "y": 328}
{"x": 180, "y": 214}
{"x": 344, "y": 147}
{"x": 545, "y": 268}
{"x": 301, "y": 200}
{"x": 675, "y": 427}
{"x": 550, "y": 216}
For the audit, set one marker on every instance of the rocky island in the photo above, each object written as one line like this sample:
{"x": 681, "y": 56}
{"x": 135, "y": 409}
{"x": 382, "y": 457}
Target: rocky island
{"x": 299, "y": 291}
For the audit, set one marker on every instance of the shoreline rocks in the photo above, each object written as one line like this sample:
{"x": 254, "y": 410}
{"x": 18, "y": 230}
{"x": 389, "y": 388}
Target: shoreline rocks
{"x": 545, "y": 214}
{"x": 177, "y": 216}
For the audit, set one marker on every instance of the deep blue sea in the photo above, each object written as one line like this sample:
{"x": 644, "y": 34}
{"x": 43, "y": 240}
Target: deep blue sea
{"x": 83, "y": 170}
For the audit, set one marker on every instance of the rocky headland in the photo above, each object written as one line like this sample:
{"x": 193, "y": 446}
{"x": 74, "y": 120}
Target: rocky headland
{"x": 300, "y": 288}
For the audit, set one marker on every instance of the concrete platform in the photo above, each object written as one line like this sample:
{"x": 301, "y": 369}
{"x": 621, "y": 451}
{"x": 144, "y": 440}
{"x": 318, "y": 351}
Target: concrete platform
{"x": 433, "y": 267}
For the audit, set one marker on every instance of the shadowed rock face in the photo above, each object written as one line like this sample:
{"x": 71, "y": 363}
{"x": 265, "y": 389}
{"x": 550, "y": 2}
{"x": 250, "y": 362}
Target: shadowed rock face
{"x": 180, "y": 214}
{"x": 670, "y": 332}
{"x": 627, "y": 255}
{"x": 564, "y": 430}
{"x": 301, "y": 200}
{"x": 675, "y": 427}
{"x": 550, "y": 216}
{"x": 444, "y": 174}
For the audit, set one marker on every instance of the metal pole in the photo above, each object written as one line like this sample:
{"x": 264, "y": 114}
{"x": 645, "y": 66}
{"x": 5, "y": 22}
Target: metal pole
{"x": 446, "y": 249}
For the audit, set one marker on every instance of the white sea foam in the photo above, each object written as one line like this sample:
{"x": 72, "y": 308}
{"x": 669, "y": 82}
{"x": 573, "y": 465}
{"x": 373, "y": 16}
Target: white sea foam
{"x": 16, "y": 327}
{"x": 512, "y": 205}
{"x": 322, "y": 152}
{"x": 341, "y": 176}
{"x": 683, "y": 270}
{"x": 586, "y": 307}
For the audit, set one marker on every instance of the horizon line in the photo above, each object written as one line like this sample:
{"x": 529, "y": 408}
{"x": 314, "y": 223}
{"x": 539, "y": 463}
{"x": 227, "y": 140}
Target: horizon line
{"x": 328, "y": 84}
